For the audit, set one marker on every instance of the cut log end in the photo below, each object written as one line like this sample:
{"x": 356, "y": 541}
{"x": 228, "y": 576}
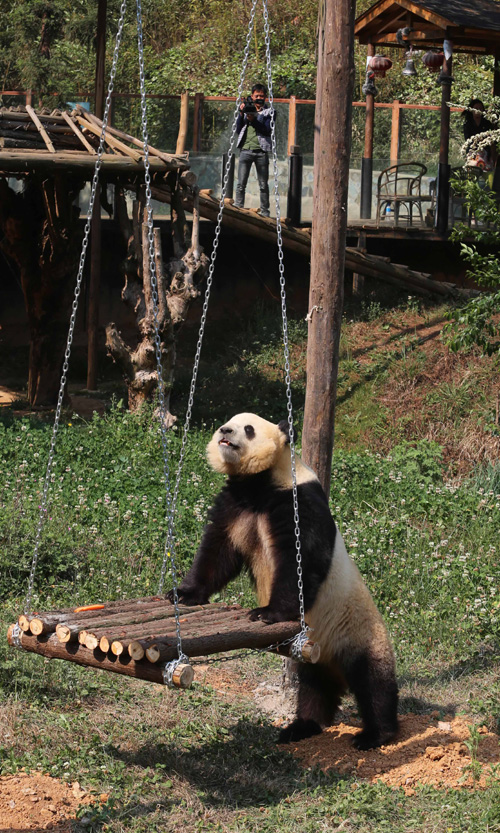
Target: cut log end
{"x": 37, "y": 627}
{"x": 91, "y": 641}
{"x": 153, "y": 653}
{"x": 104, "y": 644}
{"x": 63, "y": 633}
{"x": 116, "y": 648}
{"x": 311, "y": 652}
{"x": 183, "y": 676}
{"x": 24, "y": 623}
{"x": 135, "y": 650}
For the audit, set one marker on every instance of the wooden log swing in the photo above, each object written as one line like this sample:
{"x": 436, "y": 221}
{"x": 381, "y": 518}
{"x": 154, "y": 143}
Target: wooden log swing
{"x": 137, "y": 637}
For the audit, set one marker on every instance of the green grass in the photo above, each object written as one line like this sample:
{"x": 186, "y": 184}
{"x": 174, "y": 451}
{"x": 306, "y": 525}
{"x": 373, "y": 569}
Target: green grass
{"x": 427, "y": 547}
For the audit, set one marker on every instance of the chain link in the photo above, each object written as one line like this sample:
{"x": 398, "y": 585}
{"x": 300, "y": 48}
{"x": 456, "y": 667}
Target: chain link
{"x": 154, "y": 294}
{"x": 95, "y": 182}
{"x": 170, "y": 542}
{"x": 286, "y": 349}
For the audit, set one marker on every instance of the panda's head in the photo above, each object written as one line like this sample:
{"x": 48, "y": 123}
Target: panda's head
{"x": 247, "y": 444}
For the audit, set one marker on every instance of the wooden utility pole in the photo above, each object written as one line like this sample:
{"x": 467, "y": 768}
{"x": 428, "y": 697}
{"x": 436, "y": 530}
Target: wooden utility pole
{"x": 95, "y": 237}
{"x": 335, "y": 81}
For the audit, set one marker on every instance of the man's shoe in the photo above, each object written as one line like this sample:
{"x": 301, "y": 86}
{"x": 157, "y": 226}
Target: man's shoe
{"x": 263, "y": 213}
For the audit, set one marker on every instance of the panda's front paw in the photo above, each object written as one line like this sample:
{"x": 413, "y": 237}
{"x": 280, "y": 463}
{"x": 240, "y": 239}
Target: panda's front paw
{"x": 267, "y": 615}
{"x": 187, "y": 596}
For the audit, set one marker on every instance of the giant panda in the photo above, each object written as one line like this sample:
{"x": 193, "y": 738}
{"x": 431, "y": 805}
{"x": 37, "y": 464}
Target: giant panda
{"x": 251, "y": 525}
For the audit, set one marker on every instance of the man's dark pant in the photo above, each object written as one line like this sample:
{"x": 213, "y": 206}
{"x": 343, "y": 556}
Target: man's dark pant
{"x": 247, "y": 159}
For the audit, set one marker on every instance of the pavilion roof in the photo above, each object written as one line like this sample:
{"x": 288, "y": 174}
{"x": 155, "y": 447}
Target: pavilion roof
{"x": 472, "y": 25}
{"x": 49, "y": 140}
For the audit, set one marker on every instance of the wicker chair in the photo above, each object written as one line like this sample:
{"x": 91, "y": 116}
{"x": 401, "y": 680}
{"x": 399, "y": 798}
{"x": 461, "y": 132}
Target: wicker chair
{"x": 399, "y": 190}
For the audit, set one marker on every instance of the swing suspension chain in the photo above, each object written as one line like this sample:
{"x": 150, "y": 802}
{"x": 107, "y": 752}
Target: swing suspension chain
{"x": 95, "y": 181}
{"x": 298, "y": 555}
{"x": 170, "y": 541}
{"x": 154, "y": 294}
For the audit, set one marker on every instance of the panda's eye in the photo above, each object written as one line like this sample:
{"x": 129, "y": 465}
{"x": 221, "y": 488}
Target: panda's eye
{"x": 250, "y": 431}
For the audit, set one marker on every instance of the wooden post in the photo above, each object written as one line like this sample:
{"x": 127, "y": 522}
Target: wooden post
{"x": 335, "y": 81}
{"x": 292, "y": 124}
{"x": 197, "y": 121}
{"x": 358, "y": 281}
{"x": 365, "y": 209}
{"x": 183, "y": 124}
{"x": 294, "y": 196}
{"x": 95, "y": 234}
{"x": 395, "y": 131}
{"x": 443, "y": 177}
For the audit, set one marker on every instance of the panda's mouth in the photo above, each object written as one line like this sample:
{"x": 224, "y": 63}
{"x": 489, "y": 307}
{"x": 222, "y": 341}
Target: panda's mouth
{"x": 227, "y": 443}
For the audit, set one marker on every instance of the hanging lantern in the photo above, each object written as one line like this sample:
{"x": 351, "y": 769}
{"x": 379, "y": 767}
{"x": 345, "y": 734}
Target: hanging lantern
{"x": 380, "y": 65}
{"x": 433, "y": 61}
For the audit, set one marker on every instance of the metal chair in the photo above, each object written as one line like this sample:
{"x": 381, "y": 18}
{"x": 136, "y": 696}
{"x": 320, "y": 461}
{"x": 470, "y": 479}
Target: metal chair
{"x": 399, "y": 190}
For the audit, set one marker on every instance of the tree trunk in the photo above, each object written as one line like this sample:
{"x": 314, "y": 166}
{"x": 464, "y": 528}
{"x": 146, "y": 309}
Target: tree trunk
{"x": 331, "y": 169}
{"x": 41, "y": 235}
{"x": 177, "y": 283}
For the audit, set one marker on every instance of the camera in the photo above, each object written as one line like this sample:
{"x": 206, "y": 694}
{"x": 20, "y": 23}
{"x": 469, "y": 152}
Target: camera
{"x": 249, "y": 106}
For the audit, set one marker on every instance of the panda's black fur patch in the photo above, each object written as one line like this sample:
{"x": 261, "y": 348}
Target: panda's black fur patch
{"x": 258, "y": 495}
{"x": 251, "y": 525}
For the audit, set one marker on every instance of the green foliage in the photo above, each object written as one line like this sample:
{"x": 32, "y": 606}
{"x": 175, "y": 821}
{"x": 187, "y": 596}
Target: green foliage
{"x": 474, "y": 324}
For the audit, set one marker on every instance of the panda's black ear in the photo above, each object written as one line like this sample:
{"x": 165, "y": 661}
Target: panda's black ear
{"x": 284, "y": 426}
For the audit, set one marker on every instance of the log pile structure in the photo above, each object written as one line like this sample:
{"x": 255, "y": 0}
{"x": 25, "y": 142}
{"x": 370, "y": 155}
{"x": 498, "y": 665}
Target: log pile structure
{"x": 50, "y": 140}
{"x": 138, "y": 637}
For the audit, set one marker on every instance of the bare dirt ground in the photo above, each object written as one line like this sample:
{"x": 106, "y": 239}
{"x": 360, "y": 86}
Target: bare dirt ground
{"x": 428, "y": 750}
{"x": 35, "y": 802}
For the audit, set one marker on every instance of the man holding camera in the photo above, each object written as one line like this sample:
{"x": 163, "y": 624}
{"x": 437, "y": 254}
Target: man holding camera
{"x": 253, "y": 126}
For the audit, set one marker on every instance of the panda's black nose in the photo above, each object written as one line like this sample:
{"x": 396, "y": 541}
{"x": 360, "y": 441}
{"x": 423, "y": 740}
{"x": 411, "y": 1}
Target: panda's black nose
{"x": 225, "y": 430}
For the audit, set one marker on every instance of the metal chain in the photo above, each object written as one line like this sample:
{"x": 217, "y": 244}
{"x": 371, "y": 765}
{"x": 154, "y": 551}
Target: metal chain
{"x": 74, "y": 308}
{"x": 170, "y": 542}
{"x": 154, "y": 295}
{"x": 286, "y": 349}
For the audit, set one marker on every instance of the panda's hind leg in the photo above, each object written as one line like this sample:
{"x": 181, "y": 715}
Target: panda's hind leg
{"x": 319, "y": 696}
{"x": 373, "y": 683}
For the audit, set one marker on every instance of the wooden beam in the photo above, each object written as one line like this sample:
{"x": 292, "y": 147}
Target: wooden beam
{"x": 183, "y": 123}
{"x": 173, "y": 160}
{"x": 420, "y": 12}
{"x": 110, "y": 141}
{"x": 21, "y": 162}
{"x": 40, "y": 128}
{"x": 69, "y": 121}
{"x": 395, "y": 130}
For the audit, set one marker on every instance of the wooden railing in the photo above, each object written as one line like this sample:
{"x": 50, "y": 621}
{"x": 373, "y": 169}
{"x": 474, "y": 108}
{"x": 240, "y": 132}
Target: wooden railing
{"x": 396, "y": 107}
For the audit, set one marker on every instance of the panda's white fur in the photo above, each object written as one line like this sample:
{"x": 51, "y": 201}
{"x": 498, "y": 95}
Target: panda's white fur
{"x": 251, "y": 525}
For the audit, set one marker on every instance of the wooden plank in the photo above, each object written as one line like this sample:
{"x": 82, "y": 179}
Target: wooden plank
{"x": 113, "y": 143}
{"x": 15, "y": 161}
{"x": 69, "y": 121}
{"x": 183, "y": 123}
{"x": 395, "y": 131}
{"x": 40, "y": 128}
{"x": 174, "y": 160}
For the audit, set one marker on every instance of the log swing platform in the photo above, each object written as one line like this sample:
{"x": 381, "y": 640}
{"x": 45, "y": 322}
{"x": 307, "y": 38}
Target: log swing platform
{"x": 138, "y": 637}
{"x": 142, "y": 637}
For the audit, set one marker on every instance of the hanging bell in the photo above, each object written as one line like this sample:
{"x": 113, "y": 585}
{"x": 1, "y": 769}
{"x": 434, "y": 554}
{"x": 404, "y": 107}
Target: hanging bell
{"x": 409, "y": 69}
